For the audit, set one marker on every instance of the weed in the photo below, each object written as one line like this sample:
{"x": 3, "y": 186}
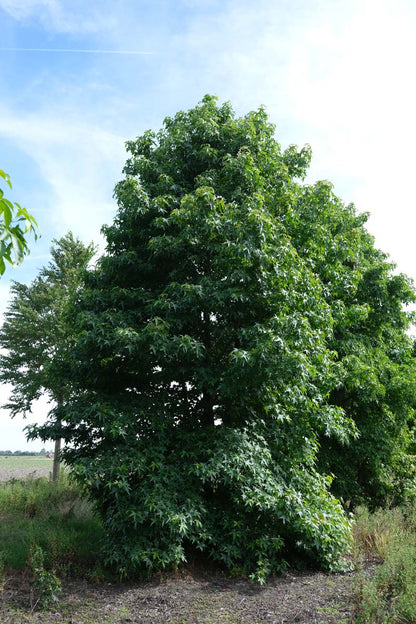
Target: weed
{"x": 389, "y": 597}
{"x": 374, "y": 532}
{"x": 46, "y": 586}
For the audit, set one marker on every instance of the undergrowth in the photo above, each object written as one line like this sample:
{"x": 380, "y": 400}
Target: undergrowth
{"x": 50, "y": 530}
{"x": 53, "y": 517}
{"x": 389, "y": 596}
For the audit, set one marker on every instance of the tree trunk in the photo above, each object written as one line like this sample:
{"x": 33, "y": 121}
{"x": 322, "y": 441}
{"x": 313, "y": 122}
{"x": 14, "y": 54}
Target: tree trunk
{"x": 56, "y": 461}
{"x": 57, "y": 452}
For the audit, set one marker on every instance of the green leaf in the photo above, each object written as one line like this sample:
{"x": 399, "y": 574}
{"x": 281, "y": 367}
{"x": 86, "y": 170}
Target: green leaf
{"x": 5, "y": 177}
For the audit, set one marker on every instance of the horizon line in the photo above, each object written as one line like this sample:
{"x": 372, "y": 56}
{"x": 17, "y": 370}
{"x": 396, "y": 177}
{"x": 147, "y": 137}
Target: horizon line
{"x": 76, "y": 51}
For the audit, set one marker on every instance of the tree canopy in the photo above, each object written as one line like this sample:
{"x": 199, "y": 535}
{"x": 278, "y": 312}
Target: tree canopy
{"x": 15, "y": 224}
{"x": 371, "y": 339}
{"x": 223, "y": 346}
{"x": 37, "y": 324}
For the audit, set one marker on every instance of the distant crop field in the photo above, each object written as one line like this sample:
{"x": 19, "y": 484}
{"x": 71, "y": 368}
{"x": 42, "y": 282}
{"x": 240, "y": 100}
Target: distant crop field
{"x": 18, "y": 467}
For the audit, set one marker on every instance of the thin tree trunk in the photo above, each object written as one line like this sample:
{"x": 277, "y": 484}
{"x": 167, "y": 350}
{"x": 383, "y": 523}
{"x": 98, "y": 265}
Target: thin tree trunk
{"x": 57, "y": 452}
{"x": 56, "y": 461}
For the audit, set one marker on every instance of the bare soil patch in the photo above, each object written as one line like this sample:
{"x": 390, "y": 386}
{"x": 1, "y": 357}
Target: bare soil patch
{"x": 23, "y": 467}
{"x": 192, "y": 597}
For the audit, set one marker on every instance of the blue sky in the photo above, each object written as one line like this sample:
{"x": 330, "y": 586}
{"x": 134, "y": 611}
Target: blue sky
{"x": 335, "y": 74}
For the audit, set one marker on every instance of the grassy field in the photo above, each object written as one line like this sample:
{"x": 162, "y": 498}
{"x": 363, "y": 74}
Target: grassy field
{"x": 18, "y": 467}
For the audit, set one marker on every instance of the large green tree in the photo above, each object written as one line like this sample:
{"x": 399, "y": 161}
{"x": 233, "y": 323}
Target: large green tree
{"x": 37, "y": 324}
{"x": 15, "y": 224}
{"x": 201, "y": 371}
{"x": 241, "y": 338}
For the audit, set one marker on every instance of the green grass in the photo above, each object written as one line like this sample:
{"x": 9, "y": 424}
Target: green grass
{"x": 24, "y": 461}
{"x": 389, "y": 597}
{"x": 54, "y": 517}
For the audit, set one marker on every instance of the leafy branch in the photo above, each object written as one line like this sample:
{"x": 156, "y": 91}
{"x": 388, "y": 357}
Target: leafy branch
{"x": 15, "y": 224}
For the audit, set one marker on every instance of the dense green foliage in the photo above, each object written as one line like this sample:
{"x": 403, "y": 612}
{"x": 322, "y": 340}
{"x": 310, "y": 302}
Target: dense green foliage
{"x": 201, "y": 364}
{"x": 224, "y": 346}
{"x": 370, "y": 337}
{"x": 15, "y": 224}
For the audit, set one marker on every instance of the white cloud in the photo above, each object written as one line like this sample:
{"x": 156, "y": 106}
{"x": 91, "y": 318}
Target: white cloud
{"x": 335, "y": 75}
{"x": 22, "y": 9}
{"x": 62, "y": 17}
{"x": 79, "y": 165}
{"x": 358, "y": 105}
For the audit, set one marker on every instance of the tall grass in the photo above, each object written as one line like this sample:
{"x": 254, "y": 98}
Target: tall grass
{"x": 389, "y": 596}
{"x": 52, "y": 516}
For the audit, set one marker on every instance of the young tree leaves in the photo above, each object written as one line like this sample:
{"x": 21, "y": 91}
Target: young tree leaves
{"x": 15, "y": 224}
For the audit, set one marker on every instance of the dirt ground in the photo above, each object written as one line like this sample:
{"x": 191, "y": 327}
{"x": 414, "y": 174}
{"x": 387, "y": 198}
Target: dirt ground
{"x": 7, "y": 475}
{"x": 22, "y": 467}
{"x": 191, "y": 597}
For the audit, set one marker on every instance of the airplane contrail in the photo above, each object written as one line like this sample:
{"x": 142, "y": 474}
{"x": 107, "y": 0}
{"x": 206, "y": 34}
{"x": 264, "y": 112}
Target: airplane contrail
{"x": 131, "y": 52}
